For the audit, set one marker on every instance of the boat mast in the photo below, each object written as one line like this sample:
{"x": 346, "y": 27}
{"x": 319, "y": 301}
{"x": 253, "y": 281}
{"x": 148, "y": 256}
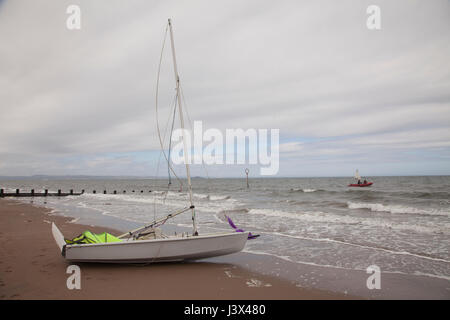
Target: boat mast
{"x": 186, "y": 160}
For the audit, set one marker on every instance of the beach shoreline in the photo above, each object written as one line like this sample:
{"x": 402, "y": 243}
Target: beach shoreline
{"x": 33, "y": 268}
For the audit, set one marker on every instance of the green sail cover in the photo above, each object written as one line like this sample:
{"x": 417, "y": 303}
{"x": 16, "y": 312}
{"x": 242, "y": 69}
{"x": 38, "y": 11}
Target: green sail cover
{"x": 89, "y": 237}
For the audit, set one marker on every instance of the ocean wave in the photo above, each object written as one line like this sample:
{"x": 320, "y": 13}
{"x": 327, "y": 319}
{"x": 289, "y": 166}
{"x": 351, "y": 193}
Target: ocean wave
{"x": 313, "y": 216}
{"x": 378, "y": 207}
{"x": 204, "y": 203}
{"x": 305, "y": 190}
{"x": 336, "y": 219}
{"x": 163, "y": 197}
{"x": 74, "y": 220}
{"x": 218, "y": 198}
{"x": 426, "y": 195}
{"x": 235, "y": 210}
{"x": 295, "y": 203}
{"x": 199, "y": 196}
{"x": 177, "y": 202}
{"x": 366, "y": 246}
{"x": 294, "y": 260}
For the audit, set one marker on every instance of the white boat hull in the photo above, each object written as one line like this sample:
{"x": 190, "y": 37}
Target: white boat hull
{"x": 156, "y": 250}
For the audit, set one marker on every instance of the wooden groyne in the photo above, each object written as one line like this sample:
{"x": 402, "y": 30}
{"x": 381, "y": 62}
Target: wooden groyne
{"x": 39, "y": 194}
{"x": 18, "y": 193}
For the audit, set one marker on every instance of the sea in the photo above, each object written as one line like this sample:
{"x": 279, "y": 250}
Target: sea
{"x": 401, "y": 224}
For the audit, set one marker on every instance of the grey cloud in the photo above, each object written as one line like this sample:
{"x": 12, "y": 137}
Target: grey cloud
{"x": 312, "y": 69}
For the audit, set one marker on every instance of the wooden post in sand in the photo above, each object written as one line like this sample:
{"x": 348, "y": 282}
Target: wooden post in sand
{"x": 46, "y": 192}
{"x": 115, "y": 192}
{"x": 104, "y": 191}
{"x": 246, "y": 172}
{"x": 71, "y": 191}
{"x": 59, "y": 192}
{"x": 17, "y": 191}
{"x": 94, "y": 191}
{"x": 32, "y": 192}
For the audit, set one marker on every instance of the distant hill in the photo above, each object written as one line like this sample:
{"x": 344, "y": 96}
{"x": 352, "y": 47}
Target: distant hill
{"x": 72, "y": 177}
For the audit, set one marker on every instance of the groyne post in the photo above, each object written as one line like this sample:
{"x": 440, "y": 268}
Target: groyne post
{"x": 246, "y": 172}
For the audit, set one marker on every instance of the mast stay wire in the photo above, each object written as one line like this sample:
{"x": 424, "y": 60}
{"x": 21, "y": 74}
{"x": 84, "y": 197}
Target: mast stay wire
{"x": 159, "y": 159}
{"x": 170, "y": 168}
{"x": 192, "y": 130}
{"x": 156, "y": 107}
{"x": 170, "y": 140}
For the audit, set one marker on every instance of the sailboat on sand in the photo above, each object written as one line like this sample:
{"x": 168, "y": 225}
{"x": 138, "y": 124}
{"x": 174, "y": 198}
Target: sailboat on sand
{"x": 145, "y": 244}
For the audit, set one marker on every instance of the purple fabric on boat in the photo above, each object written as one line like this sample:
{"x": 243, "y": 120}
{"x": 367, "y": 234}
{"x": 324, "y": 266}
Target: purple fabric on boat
{"x": 231, "y": 223}
{"x": 250, "y": 235}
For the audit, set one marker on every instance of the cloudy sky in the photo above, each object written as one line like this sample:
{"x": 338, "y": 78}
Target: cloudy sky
{"x": 343, "y": 96}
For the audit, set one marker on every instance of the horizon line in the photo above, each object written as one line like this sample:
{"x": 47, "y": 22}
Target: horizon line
{"x": 205, "y": 177}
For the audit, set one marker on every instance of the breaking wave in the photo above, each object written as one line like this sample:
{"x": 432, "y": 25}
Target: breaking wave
{"x": 378, "y": 207}
{"x": 304, "y": 190}
{"x": 335, "y": 219}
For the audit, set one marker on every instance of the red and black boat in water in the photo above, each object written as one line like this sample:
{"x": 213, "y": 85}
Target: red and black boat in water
{"x": 365, "y": 183}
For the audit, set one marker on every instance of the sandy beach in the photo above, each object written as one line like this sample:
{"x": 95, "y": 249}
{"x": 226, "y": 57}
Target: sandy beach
{"x": 31, "y": 267}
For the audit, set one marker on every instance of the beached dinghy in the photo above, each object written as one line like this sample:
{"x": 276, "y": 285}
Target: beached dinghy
{"x": 135, "y": 246}
{"x": 156, "y": 250}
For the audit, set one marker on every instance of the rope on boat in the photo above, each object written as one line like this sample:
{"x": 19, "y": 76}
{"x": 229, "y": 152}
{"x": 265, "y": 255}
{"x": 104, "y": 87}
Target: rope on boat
{"x": 192, "y": 129}
{"x": 136, "y": 232}
{"x": 170, "y": 140}
{"x": 156, "y": 107}
{"x": 161, "y": 140}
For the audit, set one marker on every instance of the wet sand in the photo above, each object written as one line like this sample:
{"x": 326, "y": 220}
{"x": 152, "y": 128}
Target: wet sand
{"x": 31, "y": 267}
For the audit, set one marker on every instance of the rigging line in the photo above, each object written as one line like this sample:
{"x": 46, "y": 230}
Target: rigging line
{"x": 156, "y": 102}
{"x": 156, "y": 107}
{"x": 159, "y": 159}
{"x": 170, "y": 140}
{"x": 174, "y": 103}
{"x": 170, "y": 168}
{"x": 157, "y": 123}
{"x": 190, "y": 124}
{"x": 154, "y": 194}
